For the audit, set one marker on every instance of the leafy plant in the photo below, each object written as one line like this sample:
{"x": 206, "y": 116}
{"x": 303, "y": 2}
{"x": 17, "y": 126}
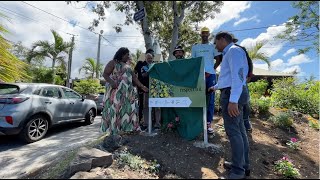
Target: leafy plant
{"x": 258, "y": 88}
{"x": 137, "y": 163}
{"x": 293, "y": 143}
{"x": 260, "y": 106}
{"x": 285, "y": 167}
{"x": 304, "y": 97}
{"x": 314, "y": 123}
{"x": 88, "y": 86}
{"x": 283, "y": 119}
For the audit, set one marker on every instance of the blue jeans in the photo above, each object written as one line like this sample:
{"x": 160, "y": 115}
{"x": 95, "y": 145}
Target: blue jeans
{"x": 236, "y": 133}
{"x": 210, "y": 81}
{"x": 246, "y": 113}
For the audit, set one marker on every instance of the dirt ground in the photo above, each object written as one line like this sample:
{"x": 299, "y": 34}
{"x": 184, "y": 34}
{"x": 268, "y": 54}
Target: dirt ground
{"x": 179, "y": 158}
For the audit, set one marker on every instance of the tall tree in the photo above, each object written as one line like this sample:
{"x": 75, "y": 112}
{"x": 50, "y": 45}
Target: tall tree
{"x": 135, "y": 58}
{"x": 304, "y": 26}
{"x": 11, "y": 68}
{"x": 255, "y": 53}
{"x": 56, "y": 51}
{"x": 90, "y": 67}
{"x": 163, "y": 20}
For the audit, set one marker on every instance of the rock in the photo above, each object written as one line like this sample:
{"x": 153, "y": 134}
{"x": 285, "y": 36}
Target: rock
{"x": 114, "y": 142}
{"x": 87, "y": 175}
{"x": 99, "y": 158}
{"x": 79, "y": 165}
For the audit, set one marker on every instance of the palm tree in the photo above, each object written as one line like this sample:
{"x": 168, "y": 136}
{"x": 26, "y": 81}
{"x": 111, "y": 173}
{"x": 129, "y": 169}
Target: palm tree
{"x": 55, "y": 51}
{"x": 90, "y": 67}
{"x": 11, "y": 68}
{"x": 254, "y": 53}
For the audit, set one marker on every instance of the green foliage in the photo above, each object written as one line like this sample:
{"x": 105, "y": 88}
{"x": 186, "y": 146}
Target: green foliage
{"x": 90, "y": 67}
{"x": 314, "y": 123}
{"x": 304, "y": 97}
{"x": 159, "y": 89}
{"x": 283, "y": 119}
{"x": 304, "y": 26}
{"x": 293, "y": 144}
{"x": 88, "y": 86}
{"x": 137, "y": 163}
{"x": 217, "y": 101}
{"x": 55, "y": 51}
{"x": 11, "y": 68}
{"x": 286, "y": 168}
{"x": 260, "y": 106}
{"x": 257, "y": 89}
{"x": 255, "y": 53}
{"x": 41, "y": 75}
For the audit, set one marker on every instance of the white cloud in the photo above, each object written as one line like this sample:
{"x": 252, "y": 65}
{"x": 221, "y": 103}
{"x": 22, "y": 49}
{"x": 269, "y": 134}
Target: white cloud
{"x": 292, "y": 50}
{"x": 272, "y": 45}
{"x": 28, "y": 31}
{"x": 242, "y": 20}
{"x": 230, "y": 10}
{"x": 299, "y": 59}
{"x": 292, "y": 69}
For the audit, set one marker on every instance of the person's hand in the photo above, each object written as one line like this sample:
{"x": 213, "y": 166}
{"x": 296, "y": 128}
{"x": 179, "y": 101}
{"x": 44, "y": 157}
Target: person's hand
{"x": 145, "y": 89}
{"x": 233, "y": 109}
{"x": 211, "y": 89}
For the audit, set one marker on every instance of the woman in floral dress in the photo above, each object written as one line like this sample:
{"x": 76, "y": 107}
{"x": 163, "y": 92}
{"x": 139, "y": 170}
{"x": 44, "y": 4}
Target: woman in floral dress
{"x": 120, "y": 110}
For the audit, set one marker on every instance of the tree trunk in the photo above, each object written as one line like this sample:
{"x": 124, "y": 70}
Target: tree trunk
{"x": 145, "y": 27}
{"x": 53, "y": 69}
{"x": 176, "y": 24}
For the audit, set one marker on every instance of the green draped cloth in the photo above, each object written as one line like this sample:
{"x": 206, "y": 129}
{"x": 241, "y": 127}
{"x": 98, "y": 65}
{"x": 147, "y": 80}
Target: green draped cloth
{"x": 184, "y": 73}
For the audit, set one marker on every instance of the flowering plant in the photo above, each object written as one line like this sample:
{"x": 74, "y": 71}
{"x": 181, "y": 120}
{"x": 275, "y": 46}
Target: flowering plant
{"x": 285, "y": 167}
{"x": 293, "y": 143}
{"x": 173, "y": 124}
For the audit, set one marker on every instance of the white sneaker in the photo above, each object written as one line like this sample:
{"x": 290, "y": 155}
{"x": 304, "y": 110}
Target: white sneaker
{"x": 210, "y": 130}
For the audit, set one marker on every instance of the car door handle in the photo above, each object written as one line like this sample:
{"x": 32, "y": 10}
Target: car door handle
{"x": 48, "y": 102}
{"x": 72, "y": 103}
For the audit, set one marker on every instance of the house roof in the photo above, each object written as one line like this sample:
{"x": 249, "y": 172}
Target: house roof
{"x": 263, "y": 72}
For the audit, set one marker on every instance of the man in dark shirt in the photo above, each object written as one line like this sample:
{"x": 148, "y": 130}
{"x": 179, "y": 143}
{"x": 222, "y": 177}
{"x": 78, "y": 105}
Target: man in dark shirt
{"x": 143, "y": 80}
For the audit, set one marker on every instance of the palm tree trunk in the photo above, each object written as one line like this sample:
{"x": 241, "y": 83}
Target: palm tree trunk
{"x": 53, "y": 69}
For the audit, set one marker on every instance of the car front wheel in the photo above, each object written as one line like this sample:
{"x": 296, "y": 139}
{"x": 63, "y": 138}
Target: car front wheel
{"x": 90, "y": 117}
{"x": 35, "y": 129}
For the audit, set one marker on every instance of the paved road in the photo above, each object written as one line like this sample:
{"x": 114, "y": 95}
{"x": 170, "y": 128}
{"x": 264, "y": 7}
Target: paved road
{"x": 18, "y": 158}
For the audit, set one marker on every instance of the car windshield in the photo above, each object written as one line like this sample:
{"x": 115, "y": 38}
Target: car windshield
{"x": 8, "y": 89}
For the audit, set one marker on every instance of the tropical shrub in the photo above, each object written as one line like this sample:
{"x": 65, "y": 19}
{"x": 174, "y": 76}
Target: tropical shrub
{"x": 88, "y": 86}
{"x": 283, "y": 119}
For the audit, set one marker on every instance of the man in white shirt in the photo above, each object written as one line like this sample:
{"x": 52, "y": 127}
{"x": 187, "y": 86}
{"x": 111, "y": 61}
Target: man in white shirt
{"x": 234, "y": 96}
{"x": 208, "y": 52}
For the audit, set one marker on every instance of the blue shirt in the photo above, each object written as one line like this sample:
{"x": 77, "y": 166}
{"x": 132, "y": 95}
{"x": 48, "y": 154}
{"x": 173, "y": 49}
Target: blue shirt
{"x": 207, "y": 51}
{"x": 234, "y": 70}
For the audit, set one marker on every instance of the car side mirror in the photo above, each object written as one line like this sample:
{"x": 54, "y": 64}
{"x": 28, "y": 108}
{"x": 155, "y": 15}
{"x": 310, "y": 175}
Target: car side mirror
{"x": 83, "y": 97}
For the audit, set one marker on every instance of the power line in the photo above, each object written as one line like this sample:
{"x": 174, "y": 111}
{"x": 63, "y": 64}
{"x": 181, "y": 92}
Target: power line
{"x": 56, "y": 16}
{"x": 30, "y": 19}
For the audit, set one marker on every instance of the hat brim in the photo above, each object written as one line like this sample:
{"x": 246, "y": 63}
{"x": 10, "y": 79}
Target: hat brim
{"x": 177, "y": 50}
{"x": 235, "y": 40}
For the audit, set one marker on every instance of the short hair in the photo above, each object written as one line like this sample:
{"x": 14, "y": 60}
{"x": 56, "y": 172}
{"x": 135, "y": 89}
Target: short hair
{"x": 151, "y": 51}
{"x": 227, "y": 36}
{"x": 120, "y": 53}
{"x": 149, "y": 54}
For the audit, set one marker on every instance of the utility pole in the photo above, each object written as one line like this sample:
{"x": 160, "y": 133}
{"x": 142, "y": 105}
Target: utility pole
{"x": 98, "y": 56}
{"x": 69, "y": 80}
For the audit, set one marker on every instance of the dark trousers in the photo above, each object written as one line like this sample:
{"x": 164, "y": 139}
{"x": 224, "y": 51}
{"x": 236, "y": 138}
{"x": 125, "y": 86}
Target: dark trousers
{"x": 140, "y": 105}
{"x": 210, "y": 81}
{"x": 236, "y": 132}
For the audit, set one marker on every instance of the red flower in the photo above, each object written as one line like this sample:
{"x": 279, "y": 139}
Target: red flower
{"x": 170, "y": 125}
{"x": 294, "y": 140}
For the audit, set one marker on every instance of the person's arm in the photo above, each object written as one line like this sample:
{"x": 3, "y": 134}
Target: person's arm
{"x": 236, "y": 63}
{"x": 107, "y": 72}
{"x": 138, "y": 83}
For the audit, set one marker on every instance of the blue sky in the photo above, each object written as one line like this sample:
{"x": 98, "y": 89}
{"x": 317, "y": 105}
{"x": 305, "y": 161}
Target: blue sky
{"x": 234, "y": 16}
